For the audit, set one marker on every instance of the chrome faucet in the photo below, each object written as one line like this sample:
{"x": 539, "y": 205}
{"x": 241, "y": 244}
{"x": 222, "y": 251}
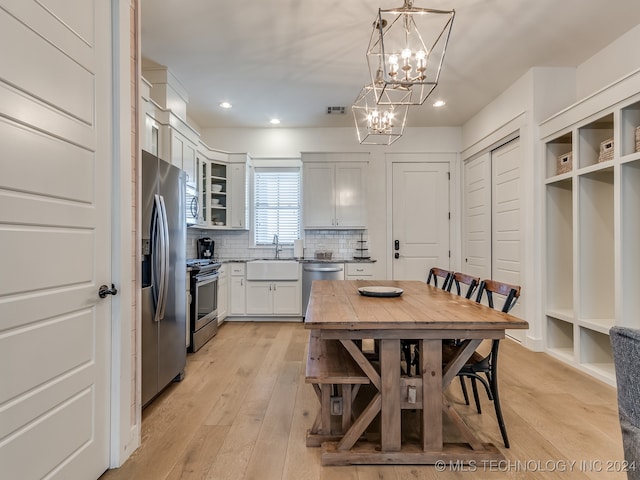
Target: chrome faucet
{"x": 276, "y": 242}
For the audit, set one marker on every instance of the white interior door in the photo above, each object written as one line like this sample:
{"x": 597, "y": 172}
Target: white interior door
{"x": 505, "y": 230}
{"x": 420, "y": 219}
{"x": 477, "y": 217}
{"x": 491, "y": 219}
{"x": 55, "y": 170}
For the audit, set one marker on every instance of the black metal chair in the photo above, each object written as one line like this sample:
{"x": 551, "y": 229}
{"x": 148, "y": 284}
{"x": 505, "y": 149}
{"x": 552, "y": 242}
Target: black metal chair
{"x": 435, "y": 274}
{"x": 472, "y": 284}
{"x": 459, "y": 278}
{"x": 484, "y": 368}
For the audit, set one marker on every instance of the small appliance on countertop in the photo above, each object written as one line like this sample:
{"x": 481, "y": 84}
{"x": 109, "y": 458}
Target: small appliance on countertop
{"x": 206, "y": 248}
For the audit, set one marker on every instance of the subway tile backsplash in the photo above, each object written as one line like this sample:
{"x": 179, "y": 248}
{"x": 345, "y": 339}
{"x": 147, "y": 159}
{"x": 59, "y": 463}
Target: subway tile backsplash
{"x": 237, "y": 244}
{"x": 342, "y": 243}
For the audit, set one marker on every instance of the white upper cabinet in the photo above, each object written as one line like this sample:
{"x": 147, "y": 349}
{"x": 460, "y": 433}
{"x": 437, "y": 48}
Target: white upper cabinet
{"x": 334, "y": 192}
{"x": 319, "y": 194}
{"x": 183, "y": 156}
{"x": 238, "y": 181}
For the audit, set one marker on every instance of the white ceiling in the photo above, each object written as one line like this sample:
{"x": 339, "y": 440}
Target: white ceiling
{"x": 294, "y": 58}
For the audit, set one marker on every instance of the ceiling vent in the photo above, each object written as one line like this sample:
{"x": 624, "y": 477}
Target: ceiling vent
{"x": 336, "y": 110}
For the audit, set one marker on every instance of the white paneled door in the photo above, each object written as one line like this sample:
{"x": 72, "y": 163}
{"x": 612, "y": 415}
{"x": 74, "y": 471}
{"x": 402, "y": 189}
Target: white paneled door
{"x": 505, "y": 224}
{"x": 477, "y": 217}
{"x": 55, "y": 170}
{"x": 420, "y": 219}
{"x": 491, "y": 219}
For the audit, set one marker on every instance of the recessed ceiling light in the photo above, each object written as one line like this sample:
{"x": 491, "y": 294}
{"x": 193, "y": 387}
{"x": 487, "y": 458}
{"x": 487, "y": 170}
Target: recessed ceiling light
{"x": 225, "y": 105}
{"x": 274, "y": 121}
{"x": 440, "y": 103}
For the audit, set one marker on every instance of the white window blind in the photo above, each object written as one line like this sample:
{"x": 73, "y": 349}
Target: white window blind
{"x": 277, "y": 204}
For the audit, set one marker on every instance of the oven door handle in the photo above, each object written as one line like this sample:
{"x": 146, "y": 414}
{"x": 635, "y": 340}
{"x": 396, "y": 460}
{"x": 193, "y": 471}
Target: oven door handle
{"x": 207, "y": 278}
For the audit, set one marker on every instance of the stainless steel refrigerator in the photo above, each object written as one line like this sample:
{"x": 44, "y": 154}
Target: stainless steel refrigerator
{"x": 163, "y": 275}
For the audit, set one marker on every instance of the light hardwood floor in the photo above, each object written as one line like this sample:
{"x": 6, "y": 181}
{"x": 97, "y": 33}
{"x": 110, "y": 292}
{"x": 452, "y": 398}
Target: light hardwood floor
{"x": 243, "y": 410}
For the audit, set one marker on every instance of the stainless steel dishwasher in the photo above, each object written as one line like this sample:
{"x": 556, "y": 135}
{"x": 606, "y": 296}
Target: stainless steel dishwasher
{"x": 318, "y": 271}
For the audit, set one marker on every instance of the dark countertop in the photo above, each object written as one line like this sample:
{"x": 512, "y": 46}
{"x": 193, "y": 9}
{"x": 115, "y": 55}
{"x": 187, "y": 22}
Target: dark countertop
{"x": 301, "y": 260}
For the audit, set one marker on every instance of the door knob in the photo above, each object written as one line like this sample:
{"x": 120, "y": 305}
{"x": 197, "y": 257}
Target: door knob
{"x": 396, "y": 255}
{"x": 396, "y": 245}
{"x": 104, "y": 290}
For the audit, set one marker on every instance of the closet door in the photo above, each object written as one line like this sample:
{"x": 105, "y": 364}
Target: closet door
{"x": 477, "y": 217}
{"x": 505, "y": 221}
{"x": 491, "y": 219}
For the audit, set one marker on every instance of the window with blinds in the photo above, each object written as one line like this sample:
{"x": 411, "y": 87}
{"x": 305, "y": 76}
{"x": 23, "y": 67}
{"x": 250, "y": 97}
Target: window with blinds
{"x": 277, "y": 204}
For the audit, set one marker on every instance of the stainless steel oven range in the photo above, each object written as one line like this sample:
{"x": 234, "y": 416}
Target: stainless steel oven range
{"x": 204, "y": 302}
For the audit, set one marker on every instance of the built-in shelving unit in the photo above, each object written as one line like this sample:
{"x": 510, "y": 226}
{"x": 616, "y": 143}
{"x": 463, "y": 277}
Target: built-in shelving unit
{"x": 592, "y": 228}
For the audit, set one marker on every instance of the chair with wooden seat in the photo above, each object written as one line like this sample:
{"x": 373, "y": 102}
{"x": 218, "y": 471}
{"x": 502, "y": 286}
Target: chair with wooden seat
{"x": 440, "y": 278}
{"x": 459, "y": 278}
{"x": 440, "y": 274}
{"x": 484, "y": 368}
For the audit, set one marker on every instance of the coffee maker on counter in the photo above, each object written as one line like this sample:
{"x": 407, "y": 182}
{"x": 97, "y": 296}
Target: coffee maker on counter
{"x": 205, "y": 248}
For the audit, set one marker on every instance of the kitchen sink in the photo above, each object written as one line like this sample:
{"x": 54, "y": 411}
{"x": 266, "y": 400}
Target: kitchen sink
{"x": 272, "y": 270}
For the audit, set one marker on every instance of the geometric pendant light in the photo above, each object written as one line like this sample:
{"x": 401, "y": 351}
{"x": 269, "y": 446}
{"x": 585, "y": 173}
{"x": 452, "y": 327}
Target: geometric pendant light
{"x": 406, "y": 51}
{"x": 378, "y": 124}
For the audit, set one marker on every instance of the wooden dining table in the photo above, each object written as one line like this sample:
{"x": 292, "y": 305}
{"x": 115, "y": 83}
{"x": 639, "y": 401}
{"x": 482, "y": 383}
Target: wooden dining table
{"x": 338, "y": 311}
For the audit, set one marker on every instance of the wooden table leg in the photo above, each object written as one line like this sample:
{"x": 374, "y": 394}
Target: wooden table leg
{"x": 431, "y": 371}
{"x": 390, "y": 379}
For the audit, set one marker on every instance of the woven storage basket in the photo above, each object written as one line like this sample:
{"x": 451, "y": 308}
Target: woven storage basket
{"x": 638, "y": 139}
{"x": 606, "y": 151}
{"x": 564, "y": 163}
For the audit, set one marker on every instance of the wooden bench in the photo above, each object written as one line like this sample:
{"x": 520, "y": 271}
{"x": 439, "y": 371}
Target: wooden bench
{"x": 336, "y": 379}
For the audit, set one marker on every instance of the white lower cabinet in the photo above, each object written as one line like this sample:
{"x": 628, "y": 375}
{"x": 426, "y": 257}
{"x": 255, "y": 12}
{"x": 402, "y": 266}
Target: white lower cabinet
{"x": 274, "y": 298}
{"x": 359, "y": 271}
{"x": 237, "y": 289}
{"x": 223, "y": 294}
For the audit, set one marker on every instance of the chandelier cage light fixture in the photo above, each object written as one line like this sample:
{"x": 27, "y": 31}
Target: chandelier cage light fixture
{"x": 380, "y": 124}
{"x": 406, "y": 51}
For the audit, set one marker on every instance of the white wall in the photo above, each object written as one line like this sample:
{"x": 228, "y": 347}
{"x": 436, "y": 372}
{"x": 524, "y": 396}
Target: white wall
{"x": 290, "y": 142}
{"x": 618, "y": 59}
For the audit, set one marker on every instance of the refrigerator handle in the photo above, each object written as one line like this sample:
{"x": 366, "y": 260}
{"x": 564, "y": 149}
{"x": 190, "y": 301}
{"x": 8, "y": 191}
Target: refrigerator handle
{"x": 155, "y": 248}
{"x": 158, "y": 264}
{"x": 164, "y": 258}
